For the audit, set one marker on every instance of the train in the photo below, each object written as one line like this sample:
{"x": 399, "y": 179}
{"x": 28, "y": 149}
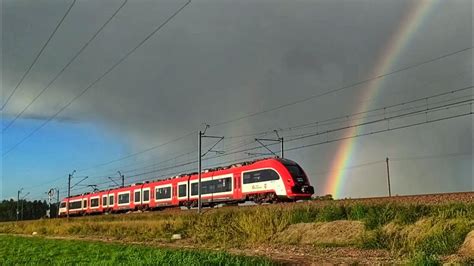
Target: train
{"x": 267, "y": 180}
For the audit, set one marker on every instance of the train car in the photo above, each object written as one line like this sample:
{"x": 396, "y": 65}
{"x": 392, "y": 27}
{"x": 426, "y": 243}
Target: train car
{"x": 265, "y": 180}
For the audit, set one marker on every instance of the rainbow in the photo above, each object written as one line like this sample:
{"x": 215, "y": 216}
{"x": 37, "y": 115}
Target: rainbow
{"x": 391, "y": 51}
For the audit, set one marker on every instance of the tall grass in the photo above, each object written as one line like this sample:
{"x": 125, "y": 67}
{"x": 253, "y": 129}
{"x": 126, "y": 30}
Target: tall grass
{"x": 404, "y": 228}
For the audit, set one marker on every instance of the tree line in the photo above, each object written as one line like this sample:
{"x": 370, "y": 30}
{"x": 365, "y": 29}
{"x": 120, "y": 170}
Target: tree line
{"x": 28, "y": 210}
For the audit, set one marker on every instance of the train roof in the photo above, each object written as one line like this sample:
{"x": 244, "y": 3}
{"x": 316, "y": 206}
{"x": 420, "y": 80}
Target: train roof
{"x": 234, "y": 165}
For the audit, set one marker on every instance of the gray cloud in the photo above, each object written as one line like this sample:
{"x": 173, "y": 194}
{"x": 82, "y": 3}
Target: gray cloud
{"x": 222, "y": 59}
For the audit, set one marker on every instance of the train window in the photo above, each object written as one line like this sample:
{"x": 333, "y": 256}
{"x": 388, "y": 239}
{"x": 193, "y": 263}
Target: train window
{"x": 111, "y": 200}
{"x": 163, "y": 193}
{"x": 95, "y": 202}
{"x": 260, "y": 176}
{"x": 213, "y": 186}
{"x": 124, "y": 198}
{"x": 62, "y": 205}
{"x": 84, "y": 205}
{"x": 223, "y": 185}
{"x": 75, "y": 205}
{"x": 182, "y": 190}
{"x": 146, "y": 195}
{"x": 104, "y": 201}
{"x": 136, "y": 197}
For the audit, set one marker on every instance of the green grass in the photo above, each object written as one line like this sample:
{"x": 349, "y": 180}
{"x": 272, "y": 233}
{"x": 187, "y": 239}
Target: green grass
{"x": 39, "y": 251}
{"x": 421, "y": 258}
{"x": 420, "y": 230}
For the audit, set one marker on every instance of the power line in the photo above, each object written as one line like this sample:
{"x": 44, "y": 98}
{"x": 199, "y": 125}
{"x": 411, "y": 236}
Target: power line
{"x": 138, "y": 153}
{"x": 385, "y": 108}
{"x": 111, "y": 172}
{"x": 425, "y": 110}
{"x": 317, "y": 123}
{"x": 173, "y": 174}
{"x": 341, "y": 88}
{"x": 319, "y": 133}
{"x": 238, "y": 144}
{"x": 394, "y": 159}
{"x": 315, "y": 144}
{"x": 98, "y": 79}
{"x": 65, "y": 67}
{"x": 381, "y": 131}
{"x": 334, "y": 130}
{"x": 448, "y": 106}
{"x": 350, "y": 167}
{"x": 311, "y": 97}
{"x": 38, "y": 55}
{"x": 435, "y": 156}
{"x": 309, "y": 145}
{"x": 329, "y": 141}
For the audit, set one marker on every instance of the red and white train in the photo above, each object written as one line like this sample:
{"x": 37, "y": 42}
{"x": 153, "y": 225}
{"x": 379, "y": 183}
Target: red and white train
{"x": 265, "y": 180}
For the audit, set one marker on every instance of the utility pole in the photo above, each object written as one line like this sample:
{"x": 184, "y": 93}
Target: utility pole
{"x": 123, "y": 178}
{"x": 388, "y": 179}
{"x": 281, "y": 144}
{"x": 69, "y": 192}
{"x": 58, "y": 201}
{"x": 50, "y": 199}
{"x": 18, "y": 204}
{"x": 282, "y": 148}
{"x": 22, "y": 201}
{"x": 200, "y": 155}
{"x": 199, "y": 170}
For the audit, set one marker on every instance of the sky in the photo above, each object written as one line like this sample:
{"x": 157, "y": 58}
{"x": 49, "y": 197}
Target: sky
{"x": 219, "y": 61}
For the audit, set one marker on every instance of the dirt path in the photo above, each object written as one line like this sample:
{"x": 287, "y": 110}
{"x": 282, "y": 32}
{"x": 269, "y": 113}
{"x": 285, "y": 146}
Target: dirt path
{"x": 287, "y": 255}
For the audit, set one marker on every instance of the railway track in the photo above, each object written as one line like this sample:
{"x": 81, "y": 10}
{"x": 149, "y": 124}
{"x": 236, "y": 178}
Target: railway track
{"x": 428, "y": 199}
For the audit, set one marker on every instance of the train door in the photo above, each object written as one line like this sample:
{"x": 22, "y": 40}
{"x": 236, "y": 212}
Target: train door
{"x": 174, "y": 200}
{"x": 237, "y": 193}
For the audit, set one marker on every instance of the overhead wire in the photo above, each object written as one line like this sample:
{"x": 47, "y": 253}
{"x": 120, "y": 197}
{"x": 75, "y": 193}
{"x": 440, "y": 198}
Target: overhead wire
{"x": 341, "y": 88}
{"x": 97, "y": 80}
{"x": 319, "y": 133}
{"x": 318, "y": 123}
{"x": 64, "y": 68}
{"x": 320, "y": 95}
{"x": 38, "y": 55}
{"x": 328, "y": 141}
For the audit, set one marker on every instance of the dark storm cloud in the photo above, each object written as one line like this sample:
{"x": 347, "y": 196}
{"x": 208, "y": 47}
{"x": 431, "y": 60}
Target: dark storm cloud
{"x": 219, "y": 60}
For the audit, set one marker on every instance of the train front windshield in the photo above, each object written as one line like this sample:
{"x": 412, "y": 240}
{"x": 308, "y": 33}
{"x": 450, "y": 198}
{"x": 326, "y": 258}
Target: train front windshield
{"x": 297, "y": 173}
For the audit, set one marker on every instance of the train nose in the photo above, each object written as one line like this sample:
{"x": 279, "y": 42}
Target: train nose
{"x": 305, "y": 189}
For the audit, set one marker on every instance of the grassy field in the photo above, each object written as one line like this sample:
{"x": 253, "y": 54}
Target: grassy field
{"x": 413, "y": 231}
{"x": 38, "y": 251}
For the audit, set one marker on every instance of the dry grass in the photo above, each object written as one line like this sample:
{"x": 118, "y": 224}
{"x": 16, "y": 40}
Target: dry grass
{"x": 336, "y": 233}
{"x": 467, "y": 248}
{"x": 429, "y": 230}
